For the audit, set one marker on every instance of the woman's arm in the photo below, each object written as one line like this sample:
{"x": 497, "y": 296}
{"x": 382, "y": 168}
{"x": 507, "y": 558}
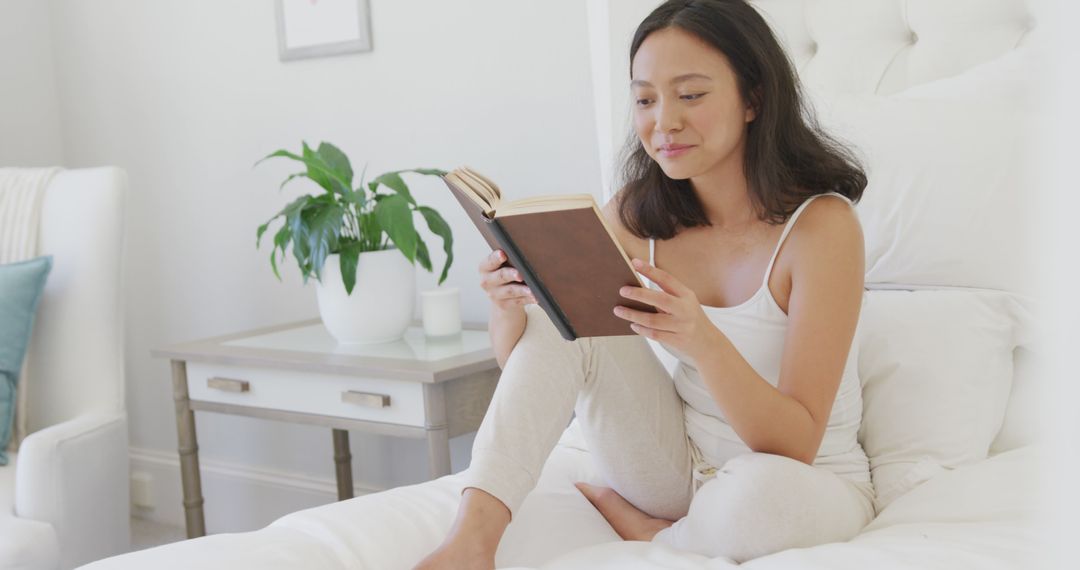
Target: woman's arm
{"x": 827, "y": 253}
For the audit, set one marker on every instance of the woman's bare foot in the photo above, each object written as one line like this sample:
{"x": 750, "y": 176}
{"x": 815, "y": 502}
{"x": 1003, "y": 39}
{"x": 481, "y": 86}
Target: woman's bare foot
{"x": 627, "y": 520}
{"x": 474, "y": 537}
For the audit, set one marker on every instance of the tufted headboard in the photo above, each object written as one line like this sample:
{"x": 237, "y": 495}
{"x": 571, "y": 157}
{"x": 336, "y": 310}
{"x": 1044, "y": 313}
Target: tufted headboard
{"x": 877, "y": 47}
{"x": 886, "y": 46}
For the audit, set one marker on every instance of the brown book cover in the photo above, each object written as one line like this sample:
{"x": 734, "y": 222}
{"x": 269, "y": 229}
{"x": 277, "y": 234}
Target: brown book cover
{"x": 564, "y": 250}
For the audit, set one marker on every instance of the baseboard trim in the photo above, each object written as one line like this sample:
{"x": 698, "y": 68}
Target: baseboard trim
{"x": 256, "y": 496}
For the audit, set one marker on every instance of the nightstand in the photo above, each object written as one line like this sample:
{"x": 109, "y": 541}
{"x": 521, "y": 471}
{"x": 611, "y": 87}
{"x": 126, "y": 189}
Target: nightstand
{"x": 416, "y": 387}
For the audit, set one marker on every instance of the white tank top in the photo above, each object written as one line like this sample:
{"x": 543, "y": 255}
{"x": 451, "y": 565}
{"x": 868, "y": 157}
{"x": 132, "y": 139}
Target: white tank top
{"x": 757, "y": 328}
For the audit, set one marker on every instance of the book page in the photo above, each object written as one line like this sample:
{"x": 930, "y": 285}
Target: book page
{"x": 481, "y": 187}
{"x": 545, "y": 204}
{"x": 467, "y": 189}
{"x": 487, "y": 181}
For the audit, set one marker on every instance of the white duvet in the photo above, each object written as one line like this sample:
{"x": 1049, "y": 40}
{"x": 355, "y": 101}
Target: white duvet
{"x": 985, "y": 515}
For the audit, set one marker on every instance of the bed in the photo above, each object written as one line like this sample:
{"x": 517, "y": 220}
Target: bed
{"x": 938, "y": 96}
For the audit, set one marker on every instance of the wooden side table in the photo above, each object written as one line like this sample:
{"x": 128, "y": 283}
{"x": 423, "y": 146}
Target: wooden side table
{"x": 417, "y": 387}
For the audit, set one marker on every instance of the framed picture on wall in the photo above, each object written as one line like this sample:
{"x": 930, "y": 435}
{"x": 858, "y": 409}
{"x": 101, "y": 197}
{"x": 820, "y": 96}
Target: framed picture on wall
{"x": 318, "y": 28}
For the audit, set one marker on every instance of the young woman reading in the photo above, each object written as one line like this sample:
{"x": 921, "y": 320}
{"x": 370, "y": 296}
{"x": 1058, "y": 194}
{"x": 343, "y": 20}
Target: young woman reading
{"x": 751, "y": 447}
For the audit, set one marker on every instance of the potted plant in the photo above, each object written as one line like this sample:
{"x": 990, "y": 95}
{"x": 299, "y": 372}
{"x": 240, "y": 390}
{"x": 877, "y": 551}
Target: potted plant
{"x": 360, "y": 244}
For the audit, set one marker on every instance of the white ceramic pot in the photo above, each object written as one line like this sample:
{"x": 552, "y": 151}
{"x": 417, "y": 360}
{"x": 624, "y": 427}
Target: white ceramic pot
{"x": 380, "y": 308}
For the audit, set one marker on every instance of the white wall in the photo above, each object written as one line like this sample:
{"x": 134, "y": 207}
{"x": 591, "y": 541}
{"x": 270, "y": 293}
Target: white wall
{"x": 187, "y": 95}
{"x": 29, "y": 123}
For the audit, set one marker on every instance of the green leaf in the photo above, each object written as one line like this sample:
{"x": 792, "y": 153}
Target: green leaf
{"x": 370, "y": 228}
{"x": 439, "y": 227}
{"x": 294, "y": 205}
{"x": 358, "y": 198}
{"x": 276, "y": 153}
{"x": 323, "y": 220}
{"x": 283, "y": 235}
{"x": 291, "y": 176}
{"x": 359, "y": 193}
{"x": 259, "y": 233}
{"x": 273, "y": 263}
{"x": 350, "y": 253}
{"x": 337, "y": 161}
{"x": 301, "y": 246}
{"x": 318, "y": 170}
{"x": 422, "y": 254}
{"x": 395, "y": 217}
{"x": 291, "y": 213}
{"x": 393, "y": 181}
{"x": 427, "y": 171}
{"x": 281, "y": 241}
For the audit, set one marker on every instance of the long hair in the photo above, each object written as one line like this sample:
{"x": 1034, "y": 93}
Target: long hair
{"x": 788, "y": 157}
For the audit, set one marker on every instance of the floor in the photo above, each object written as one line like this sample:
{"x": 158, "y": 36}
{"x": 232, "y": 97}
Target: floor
{"x": 145, "y": 534}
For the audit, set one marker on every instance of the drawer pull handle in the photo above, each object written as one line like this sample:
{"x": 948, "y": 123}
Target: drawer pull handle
{"x": 228, "y": 384}
{"x": 366, "y": 399}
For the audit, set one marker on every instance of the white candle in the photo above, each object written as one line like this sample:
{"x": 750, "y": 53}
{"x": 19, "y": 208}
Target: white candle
{"x": 441, "y": 311}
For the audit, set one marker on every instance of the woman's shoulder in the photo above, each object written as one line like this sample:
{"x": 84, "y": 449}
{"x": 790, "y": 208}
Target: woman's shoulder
{"x": 828, "y": 223}
{"x": 828, "y": 211}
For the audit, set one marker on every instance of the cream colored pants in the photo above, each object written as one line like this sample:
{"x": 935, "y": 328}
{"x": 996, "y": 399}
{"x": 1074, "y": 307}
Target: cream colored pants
{"x": 632, "y": 419}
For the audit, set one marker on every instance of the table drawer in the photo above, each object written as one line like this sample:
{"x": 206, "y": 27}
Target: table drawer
{"x": 375, "y": 399}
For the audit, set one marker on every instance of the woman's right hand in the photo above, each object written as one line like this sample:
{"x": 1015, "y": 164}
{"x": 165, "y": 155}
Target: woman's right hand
{"x": 504, "y": 286}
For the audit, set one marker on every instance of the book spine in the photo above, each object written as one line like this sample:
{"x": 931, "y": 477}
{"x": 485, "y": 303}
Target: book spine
{"x": 543, "y": 297}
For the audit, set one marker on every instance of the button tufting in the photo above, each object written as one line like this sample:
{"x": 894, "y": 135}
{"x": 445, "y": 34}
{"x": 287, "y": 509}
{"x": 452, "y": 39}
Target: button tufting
{"x": 914, "y": 37}
{"x": 813, "y": 48}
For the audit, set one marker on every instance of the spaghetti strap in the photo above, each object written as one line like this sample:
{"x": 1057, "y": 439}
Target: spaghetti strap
{"x": 787, "y": 229}
{"x": 652, "y": 262}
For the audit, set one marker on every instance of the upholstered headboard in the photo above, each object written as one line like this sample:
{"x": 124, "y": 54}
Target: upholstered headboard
{"x": 886, "y": 46}
{"x": 838, "y": 46}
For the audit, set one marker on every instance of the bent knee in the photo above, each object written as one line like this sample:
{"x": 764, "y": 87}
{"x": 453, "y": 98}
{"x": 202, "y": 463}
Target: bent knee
{"x": 761, "y": 503}
{"x": 751, "y": 480}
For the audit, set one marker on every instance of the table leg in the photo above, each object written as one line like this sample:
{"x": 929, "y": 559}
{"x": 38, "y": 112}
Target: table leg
{"x": 189, "y": 453}
{"x": 438, "y": 442}
{"x": 343, "y": 464}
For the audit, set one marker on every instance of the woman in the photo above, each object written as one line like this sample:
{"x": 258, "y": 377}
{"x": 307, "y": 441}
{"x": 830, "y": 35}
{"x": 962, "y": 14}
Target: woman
{"x": 752, "y": 449}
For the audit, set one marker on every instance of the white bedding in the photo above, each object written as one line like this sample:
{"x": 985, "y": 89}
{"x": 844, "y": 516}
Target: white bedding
{"x": 982, "y": 516}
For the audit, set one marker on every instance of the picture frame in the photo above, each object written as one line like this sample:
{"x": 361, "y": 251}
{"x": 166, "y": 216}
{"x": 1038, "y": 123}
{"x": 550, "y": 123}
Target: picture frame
{"x": 319, "y": 28}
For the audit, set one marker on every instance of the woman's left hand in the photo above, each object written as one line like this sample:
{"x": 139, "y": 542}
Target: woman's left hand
{"x": 680, "y": 323}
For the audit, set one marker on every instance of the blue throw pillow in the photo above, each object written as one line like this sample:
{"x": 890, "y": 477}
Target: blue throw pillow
{"x": 20, "y": 289}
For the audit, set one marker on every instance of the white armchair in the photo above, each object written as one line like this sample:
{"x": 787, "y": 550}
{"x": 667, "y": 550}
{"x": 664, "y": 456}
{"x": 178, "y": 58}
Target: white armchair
{"x": 64, "y": 496}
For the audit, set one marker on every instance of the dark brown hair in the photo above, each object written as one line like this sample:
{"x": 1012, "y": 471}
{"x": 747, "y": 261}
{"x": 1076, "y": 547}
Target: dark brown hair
{"x": 788, "y": 156}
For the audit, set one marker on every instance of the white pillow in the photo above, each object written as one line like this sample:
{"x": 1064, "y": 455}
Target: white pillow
{"x": 936, "y": 368}
{"x": 1012, "y": 78}
{"x": 1024, "y": 423}
{"x": 949, "y": 198}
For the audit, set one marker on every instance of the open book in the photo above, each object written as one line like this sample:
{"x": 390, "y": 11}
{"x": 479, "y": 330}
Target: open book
{"x": 567, "y": 254}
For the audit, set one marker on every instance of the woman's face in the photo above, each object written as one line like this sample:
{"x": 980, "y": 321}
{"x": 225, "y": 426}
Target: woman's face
{"x": 685, "y": 95}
